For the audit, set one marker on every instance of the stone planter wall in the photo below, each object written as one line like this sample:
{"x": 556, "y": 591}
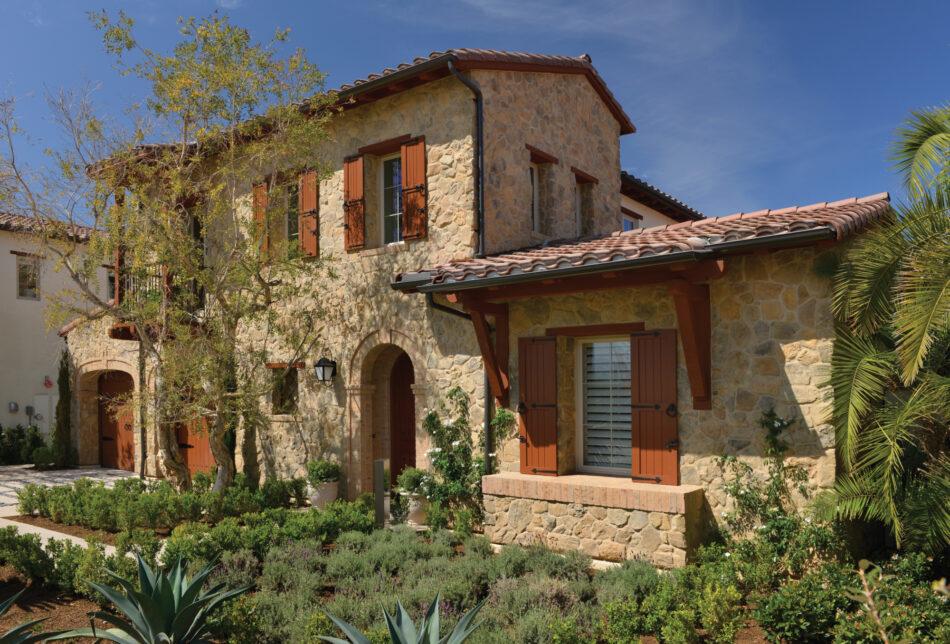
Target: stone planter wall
{"x": 609, "y": 519}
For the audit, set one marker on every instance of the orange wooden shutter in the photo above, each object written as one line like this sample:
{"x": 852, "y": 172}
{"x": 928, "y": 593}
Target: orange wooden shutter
{"x": 354, "y": 204}
{"x": 309, "y": 217}
{"x": 413, "y": 155}
{"x": 260, "y": 216}
{"x": 537, "y": 384}
{"x": 653, "y": 412}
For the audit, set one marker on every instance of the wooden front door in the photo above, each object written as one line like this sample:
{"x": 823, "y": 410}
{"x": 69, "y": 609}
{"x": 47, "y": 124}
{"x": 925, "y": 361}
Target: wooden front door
{"x": 402, "y": 417}
{"x": 195, "y": 445}
{"x": 116, "y": 423}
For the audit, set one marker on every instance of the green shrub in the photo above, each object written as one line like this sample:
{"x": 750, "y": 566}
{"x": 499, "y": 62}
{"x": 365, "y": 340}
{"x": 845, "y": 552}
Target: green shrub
{"x": 804, "y": 610}
{"x": 720, "y": 612}
{"x": 320, "y": 472}
{"x": 299, "y": 488}
{"x": 411, "y": 479}
{"x": 633, "y": 580}
{"x": 66, "y": 557}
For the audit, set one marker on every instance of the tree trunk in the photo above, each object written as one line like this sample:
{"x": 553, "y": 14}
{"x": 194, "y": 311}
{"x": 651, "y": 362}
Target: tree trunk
{"x": 221, "y": 452}
{"x": 249, "y": 452}
{"x": 170, "y": 460}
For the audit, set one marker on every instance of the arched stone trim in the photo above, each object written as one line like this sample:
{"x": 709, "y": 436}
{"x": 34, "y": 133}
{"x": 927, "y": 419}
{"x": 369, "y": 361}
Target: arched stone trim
{"x": 86, "y": 411}
{"x": 376, "y": 339}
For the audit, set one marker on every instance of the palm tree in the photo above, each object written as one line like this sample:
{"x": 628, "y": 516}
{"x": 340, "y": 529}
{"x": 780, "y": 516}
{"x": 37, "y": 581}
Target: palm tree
{"x": 890, "y": 371}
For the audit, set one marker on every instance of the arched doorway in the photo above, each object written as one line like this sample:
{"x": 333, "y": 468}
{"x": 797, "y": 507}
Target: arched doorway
{"x": 116, "y": 421}
{"x": 402, "y": 417}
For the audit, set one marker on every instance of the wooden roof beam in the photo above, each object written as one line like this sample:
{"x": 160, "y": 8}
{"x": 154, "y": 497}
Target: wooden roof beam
{"x": 695, "y": 331}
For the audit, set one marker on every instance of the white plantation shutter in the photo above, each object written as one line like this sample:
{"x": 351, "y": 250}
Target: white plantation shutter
{"x": 606, "y": 400}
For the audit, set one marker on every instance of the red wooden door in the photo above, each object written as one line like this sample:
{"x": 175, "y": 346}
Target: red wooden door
{"x": 537, "y": 407}
{"x": 653, "y": 412}
{"x": 116, "y": 431}
{"x": 195, "y": 445}
{"x": 402, "y": 417}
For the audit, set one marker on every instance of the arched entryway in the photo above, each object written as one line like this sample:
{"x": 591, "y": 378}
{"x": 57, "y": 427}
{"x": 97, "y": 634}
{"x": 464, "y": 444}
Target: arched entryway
{"x": 402, "y": 416}
{"x": 116, "y": 421}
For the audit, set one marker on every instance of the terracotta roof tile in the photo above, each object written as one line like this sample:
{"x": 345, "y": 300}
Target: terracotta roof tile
{"x": 841, "y": 218}
{"x": 21, "y": 224}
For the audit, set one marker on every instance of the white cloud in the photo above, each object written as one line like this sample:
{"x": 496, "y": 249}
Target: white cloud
{"x": 229, "y": 4}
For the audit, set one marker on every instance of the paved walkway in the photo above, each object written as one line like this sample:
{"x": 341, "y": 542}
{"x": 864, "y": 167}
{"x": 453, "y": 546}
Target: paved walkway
{"x": 15, "y": 477}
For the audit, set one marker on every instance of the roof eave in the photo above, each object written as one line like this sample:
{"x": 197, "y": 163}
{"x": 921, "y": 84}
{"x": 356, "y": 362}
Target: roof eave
{"x": 736, "y": 247}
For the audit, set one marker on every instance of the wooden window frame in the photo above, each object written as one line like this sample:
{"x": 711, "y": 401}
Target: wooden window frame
{"x": 282, "y": 370}
{"x": 383, "y": 242}
{"x": 21, "y": 257}
{"x": 578, "y": 358}
{"x": 540, "y": 156}
{"x": 534, "y": 174}
{"x": 582, "y": 177}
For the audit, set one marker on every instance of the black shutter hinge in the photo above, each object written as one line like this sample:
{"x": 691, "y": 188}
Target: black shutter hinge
{"x": 646, "y": 478}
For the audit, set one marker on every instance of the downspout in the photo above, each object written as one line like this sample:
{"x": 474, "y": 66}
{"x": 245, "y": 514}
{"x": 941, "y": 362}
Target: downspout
{"x": 480, "y": 209}
{"x": 143, "y": 451}
{"x": 479, "y": 157}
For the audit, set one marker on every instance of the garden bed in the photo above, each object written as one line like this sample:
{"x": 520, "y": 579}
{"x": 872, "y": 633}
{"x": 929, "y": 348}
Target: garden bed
{"x": 82, "y": 532}
{"x": 64, "y": 610}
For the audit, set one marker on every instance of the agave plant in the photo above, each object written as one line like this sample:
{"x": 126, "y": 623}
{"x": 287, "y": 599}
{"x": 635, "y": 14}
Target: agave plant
{"x": 22, "y": 634}
{"x": 170, "y": 609}
{"x": 402, "y": 630}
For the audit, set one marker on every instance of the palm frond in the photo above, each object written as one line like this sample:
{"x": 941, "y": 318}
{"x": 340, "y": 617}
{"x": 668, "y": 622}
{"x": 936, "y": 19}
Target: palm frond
{"x": 926, "y": 509}
{"x": 921, "y": 147}
{"x": 861, "y": 373}
{"x": 923, "y": 308}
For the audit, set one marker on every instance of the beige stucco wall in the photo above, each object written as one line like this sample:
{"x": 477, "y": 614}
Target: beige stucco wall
{"x": 771, "y": 346}
{"x": 562, "y": 115}
{"x": 29, "y": 345}
{"x": 650, "y": 216}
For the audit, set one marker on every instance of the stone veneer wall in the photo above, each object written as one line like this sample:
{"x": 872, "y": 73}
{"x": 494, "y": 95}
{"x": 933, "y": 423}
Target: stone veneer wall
{"x": 91, "y": 354}
{"x": 609, "y": 519}
{"x": 771, "y": 347}
{"x": 362, "y": 321}
{"x": 562, "y": 115}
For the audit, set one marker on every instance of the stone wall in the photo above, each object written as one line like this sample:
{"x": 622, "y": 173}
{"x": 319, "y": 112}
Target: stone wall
{"x": 562, "y": 115}
{"x": 93, "y": 353}
{"x": 605, "y": 518}
{"x": 771, "y": 347}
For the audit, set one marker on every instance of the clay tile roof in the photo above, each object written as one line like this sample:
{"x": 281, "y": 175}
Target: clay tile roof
{"x": 639, "y": 190}
{"x": 645, "y": 246}
{"x": 507, "y": 60}
{"x": 21, "y": 224}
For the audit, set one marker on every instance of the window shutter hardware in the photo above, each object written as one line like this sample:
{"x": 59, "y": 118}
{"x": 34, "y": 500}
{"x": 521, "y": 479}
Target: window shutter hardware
{"x": 671, "y": 410}
{"x": 655, "y": 479}
{"x": 654, "y": 334}
{"x": 673, "y": 443}
{"x": 533, "y": 405}
{"x": 535, "y": 470}
{"x": 185, "y": 445}
{"x": 523, "y": 439}
{"x": 635, "y": 406}
{"x": 107, "y": 438}
{"x": 522, "y": 408}
{"x": 533, "y": 340}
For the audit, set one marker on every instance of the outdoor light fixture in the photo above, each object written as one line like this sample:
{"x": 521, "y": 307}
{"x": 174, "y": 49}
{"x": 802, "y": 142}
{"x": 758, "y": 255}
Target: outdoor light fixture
{"x": 325, "y": 369}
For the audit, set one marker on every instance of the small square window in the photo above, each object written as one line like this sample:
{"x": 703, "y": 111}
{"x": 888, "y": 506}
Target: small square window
{"x": 28, "y": 278}
{"x": 629, "y": 222}
{"x": 284, "y": 393}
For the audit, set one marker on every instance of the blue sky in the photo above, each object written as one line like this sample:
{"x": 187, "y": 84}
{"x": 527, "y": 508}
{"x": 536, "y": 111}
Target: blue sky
{"x": 738, "y": 105}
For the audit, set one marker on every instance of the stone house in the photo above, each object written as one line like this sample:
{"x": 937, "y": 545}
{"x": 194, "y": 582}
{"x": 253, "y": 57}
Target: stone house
{"x": 485, "y": 237}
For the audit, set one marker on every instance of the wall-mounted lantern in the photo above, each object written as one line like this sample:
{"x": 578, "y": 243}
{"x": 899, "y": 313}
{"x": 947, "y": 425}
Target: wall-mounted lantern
{"x": 325, "y": 370}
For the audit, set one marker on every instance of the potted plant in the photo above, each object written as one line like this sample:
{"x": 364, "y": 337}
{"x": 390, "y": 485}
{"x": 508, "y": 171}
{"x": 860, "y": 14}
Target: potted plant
{"x": 411, "y": 481}
{"x": 324, "y": 479}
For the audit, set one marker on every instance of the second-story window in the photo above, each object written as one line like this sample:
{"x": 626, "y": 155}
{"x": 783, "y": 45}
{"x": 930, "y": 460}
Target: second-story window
{"x": 390, "y": 194}
{"x": 534, "y": 173}
{"x": 292, "y": 218}
{"x": 629, "y": 220}
{"x": 28, "y": 278}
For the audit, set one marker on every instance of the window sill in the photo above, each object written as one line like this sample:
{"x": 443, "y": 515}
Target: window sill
{"x": 590, "y": 489}
{"x": 388, "y": 249}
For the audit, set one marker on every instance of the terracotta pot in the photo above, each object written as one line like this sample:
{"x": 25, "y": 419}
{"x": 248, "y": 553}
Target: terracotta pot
{"x": 324, "y": 493}
{"x": 417, "y": 515}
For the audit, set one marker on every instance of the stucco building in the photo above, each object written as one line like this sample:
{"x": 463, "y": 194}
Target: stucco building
{"x": 29, "y": 346}
{"x": 485, "y": 237}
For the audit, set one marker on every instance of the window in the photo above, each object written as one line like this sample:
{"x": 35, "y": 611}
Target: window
{"x": 28, "y": 278}
{"x": 603, "y": 368}
{"x": 390, "y": 194}
{"x": 630, "y": 223}
{"x": 292, "y": 219}
{"x": 110, "y": 284}
{"x": 284, "y": 396}
{"x": 533, "y": 173}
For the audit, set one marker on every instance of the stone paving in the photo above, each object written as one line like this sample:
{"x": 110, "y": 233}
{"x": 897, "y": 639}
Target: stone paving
{"x": 14, "y": 477}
